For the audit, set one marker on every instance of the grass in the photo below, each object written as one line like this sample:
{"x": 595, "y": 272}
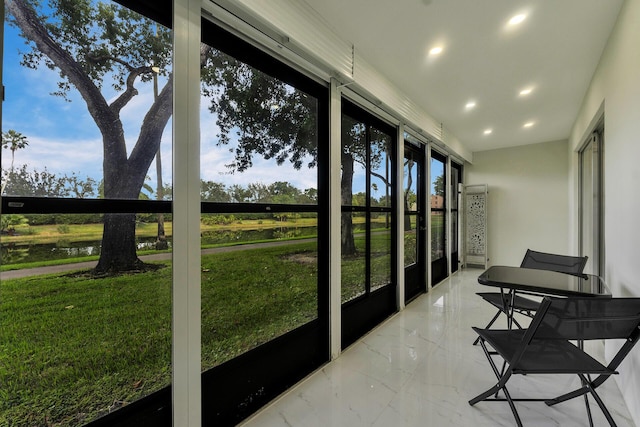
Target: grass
{"x": 253, "y": 296}
{"x": 353, "y": 267}
{"x": 93, "y": 232}
{"x": 73, "y": 347}
{"x": 47, "y": 234}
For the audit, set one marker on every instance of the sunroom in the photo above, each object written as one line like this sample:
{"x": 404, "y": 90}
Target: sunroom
{"x": 204, "y": 203}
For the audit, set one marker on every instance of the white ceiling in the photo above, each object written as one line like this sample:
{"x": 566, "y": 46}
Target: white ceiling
{"x": 555, "y": 51}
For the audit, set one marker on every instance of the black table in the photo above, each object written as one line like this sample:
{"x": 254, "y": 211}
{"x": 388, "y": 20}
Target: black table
{"x": 544, "y": 282}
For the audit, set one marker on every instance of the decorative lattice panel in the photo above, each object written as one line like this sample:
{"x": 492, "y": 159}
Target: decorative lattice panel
{"x": 475, "y": 213}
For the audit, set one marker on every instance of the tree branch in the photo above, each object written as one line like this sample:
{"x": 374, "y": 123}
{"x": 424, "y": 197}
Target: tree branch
{"x": 131, "y": 91}
{"x": 107, "y": 121}
{"x": 382, "y": 178}
{"x": 102, "y": 58}
{"x": 151, "y": 130}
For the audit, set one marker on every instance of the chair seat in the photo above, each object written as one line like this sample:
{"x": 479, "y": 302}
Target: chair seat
{"x": 519, "y": 302}
{"x": 542, "y": 356}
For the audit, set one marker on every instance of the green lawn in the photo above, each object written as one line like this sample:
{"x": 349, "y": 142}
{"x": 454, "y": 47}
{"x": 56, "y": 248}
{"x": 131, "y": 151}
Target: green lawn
{"x": 93, "y": 232}
{"x": 72, "y": 347}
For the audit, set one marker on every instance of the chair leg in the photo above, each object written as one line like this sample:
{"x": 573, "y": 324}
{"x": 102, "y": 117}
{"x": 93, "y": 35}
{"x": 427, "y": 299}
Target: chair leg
{"x": 588, "y": 408}
{"x": 600, "y": 403}
{"x": 576, "y": 393}
{"x": 489, "y": 325}
{"x": 501, "y": 385}
{"x": 582, "y": 391}
{"x": 496, "y": 388}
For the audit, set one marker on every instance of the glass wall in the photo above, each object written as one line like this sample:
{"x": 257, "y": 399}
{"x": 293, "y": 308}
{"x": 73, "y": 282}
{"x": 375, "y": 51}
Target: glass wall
{"x": 85, "y": 288}
{"x": 262, "y": 286}
{"x": 368, "y": 200}
{"x": 415, "y": 258}
{"x": 438, "y": 218}
{"x": 456, "y": 180}
{"x": 260, "y": 184}
{"x": 87, "y": 200}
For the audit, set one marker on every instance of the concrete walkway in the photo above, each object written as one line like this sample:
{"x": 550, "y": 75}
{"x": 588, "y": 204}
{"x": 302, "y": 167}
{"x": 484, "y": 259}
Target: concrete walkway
{"x": 27, "y": 272}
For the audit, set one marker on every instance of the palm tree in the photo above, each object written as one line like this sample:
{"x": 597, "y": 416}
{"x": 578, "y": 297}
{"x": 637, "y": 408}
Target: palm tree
{"x": 14, "y": 141}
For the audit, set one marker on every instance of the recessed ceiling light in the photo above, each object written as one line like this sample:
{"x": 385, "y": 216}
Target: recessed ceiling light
{"x": 517, "y": 19}
{"x": 470, "y": 105}
{"x": 528, "y": 124}
{"x": 525, "y": 92}
{"x": 488, "y": 131}
{"x": 435, "y": 50}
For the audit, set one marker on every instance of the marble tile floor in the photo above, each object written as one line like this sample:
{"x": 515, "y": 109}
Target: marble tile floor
{"x": 419, "y": 368}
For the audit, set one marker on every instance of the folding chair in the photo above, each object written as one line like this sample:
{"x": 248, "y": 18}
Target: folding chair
{"x": 545, "y": 347}
{"x": 526, "y": 306}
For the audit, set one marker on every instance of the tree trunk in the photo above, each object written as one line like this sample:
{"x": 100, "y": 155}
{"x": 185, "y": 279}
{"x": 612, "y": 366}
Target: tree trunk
{"x": 348, "y": 243}
{"x": 161, "y": 240}
{"x": 407, "y": 218}
{"x": 123, "y": 177}
{"x": 118, "y": 252}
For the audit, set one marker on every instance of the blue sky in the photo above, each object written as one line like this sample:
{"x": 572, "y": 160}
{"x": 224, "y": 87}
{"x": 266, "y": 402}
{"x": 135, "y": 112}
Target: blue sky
{"x": 63, "y": 137}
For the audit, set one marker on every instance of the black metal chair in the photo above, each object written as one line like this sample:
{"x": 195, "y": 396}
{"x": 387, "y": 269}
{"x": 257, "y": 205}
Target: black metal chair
{"x": 545, "y": 347}
{"x": 526, "y": 306}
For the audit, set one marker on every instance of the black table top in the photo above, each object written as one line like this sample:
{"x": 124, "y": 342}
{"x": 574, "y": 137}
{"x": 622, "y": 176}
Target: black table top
{"x": 544, "y": 282}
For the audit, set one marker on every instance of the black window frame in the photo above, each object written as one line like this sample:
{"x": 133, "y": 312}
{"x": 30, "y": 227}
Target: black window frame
{"x": 439, "y": 270}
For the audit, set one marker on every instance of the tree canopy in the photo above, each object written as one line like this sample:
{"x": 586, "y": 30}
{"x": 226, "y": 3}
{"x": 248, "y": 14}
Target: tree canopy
{"x": 107, "y": 52}
{"x": 103, "y": 51}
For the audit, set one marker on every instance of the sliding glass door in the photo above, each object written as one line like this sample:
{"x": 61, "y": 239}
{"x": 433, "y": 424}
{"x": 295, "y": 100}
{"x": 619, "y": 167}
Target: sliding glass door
{"x": 415, "y": 229}
{"x": 439, "y": 270}
{"x": 263, "y": 227}
{"x": 368, "y": 227}
{"x": 456, "y": 180}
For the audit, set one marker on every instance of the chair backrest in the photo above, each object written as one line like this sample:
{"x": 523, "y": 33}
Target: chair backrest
{"x": 560, "y": 263}
{"x": 587, "y": 318}
{"x": 577, "y": 318}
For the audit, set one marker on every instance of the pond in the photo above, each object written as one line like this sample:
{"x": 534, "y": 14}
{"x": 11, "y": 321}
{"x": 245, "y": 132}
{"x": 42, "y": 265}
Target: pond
{"x": 65, "y": 248}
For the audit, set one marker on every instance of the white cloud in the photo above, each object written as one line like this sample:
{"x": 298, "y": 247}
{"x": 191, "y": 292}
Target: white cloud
{"x": 64, "y": 138}
{"x": 59, "y": 156}
{"x": 214, "y": 159}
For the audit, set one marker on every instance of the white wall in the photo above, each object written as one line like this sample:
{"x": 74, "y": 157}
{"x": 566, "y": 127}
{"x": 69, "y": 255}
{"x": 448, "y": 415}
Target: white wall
{"x": 528, "y": 199}
{"x": 616, "y": 83}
